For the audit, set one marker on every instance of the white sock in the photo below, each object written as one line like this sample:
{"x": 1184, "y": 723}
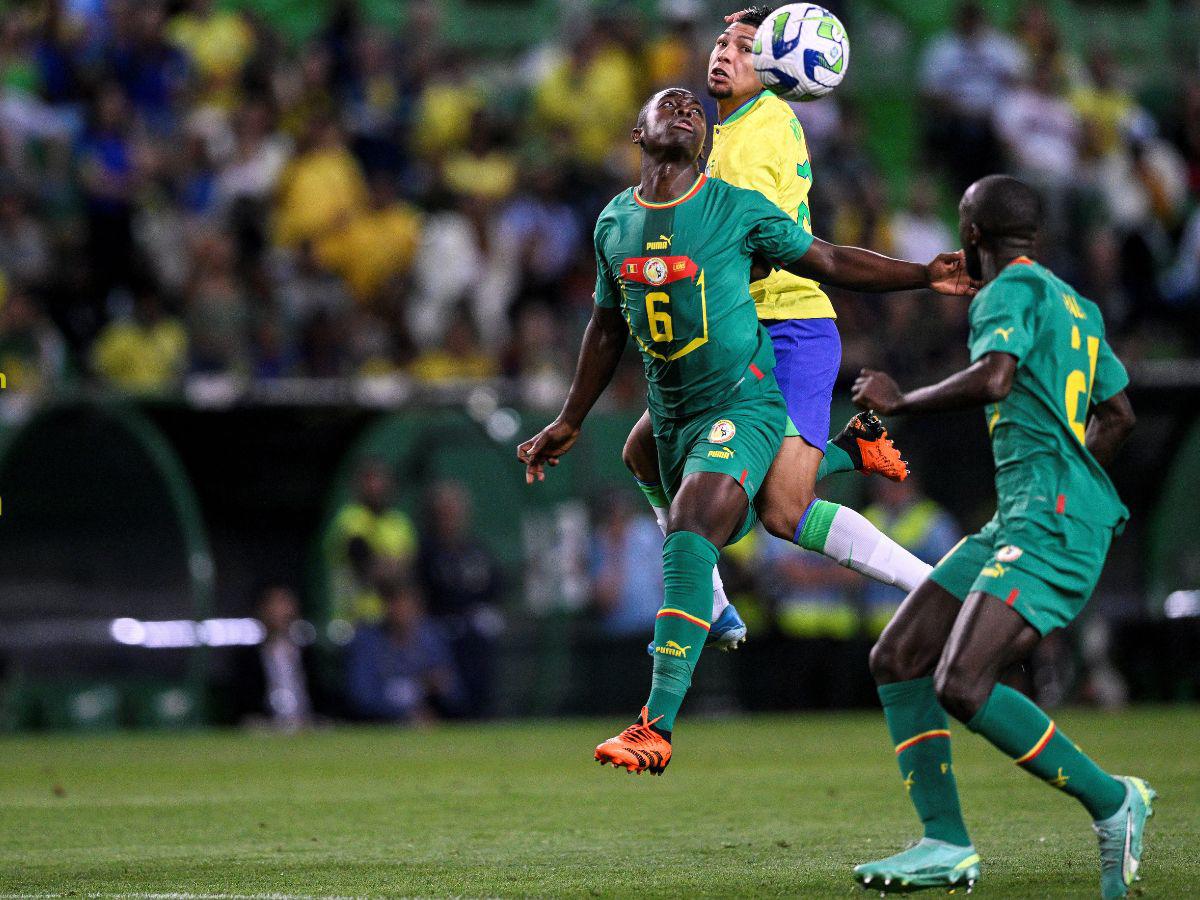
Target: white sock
{"x": 857, "y": 544}
{"x": 720, "y": 601}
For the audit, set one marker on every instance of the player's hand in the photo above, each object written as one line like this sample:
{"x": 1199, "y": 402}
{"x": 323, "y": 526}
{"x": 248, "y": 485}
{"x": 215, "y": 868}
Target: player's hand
{"x": 545, "y": 448}
{"x": 876, "y": 390}
{"x": 733, "y": 17}
{"x": 947, "y": 274}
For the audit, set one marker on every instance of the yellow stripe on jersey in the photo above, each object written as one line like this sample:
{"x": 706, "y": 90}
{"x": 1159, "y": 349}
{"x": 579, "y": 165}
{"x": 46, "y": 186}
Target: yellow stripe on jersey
{"x": 761, "y": 146}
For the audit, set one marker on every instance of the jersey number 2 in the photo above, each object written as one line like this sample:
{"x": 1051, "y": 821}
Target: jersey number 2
{"x": 1080, "y": 384}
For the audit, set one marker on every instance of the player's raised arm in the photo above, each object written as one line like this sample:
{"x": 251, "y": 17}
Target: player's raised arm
{"x": 603, "y": 342}
{"x": 987, "y": 380}
{"x": 856, "y": 269}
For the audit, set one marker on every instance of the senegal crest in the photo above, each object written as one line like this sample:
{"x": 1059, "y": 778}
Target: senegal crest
{"x": 722, "y": 431}
{"x": 655, "y": 270}
{"x": 1008, "y": 554}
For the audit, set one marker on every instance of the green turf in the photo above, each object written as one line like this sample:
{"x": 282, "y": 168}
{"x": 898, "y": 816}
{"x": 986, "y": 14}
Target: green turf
{"x": 764, "y": 806}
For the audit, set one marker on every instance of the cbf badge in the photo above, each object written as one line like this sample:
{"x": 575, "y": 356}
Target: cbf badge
{"x": 722, "y": 431}
{"x": 1008, "y": 554}
{"x": 655, "y": 270}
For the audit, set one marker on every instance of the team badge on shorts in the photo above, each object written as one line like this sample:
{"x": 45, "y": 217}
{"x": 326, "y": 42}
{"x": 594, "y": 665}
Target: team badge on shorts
{"x": 655, "y": 270}
{"x": 723, "y": 430}
{"x": 1008, "y": 554}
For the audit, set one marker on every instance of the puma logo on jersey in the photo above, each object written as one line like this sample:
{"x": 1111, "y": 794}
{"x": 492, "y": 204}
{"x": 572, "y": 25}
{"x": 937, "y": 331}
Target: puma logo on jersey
{"x": 1004, "y": 333}
{"x": 663, "y": 242}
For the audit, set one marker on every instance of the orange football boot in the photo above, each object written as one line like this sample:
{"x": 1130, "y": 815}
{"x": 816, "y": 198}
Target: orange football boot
{"x": 638, "y": 748}
{"x": 866, "y": 440}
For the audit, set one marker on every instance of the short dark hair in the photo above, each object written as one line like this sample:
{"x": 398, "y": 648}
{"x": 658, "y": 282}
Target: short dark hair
{"x": 755, "y": 15}
{"x": 1005, "y": 207}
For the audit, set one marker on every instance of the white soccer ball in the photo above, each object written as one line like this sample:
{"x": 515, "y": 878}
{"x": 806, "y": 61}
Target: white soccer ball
{"x": 801, "y": 51}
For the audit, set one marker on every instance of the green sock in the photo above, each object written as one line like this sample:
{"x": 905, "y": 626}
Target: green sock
{"x": 681, "y": 626}
{"x": 835, "y": 460}
{"x": 1015, "y": 724}
{"x": 921, "y": 733}
{"x": 813, "y": 530}
{"x": 654, "y": 493}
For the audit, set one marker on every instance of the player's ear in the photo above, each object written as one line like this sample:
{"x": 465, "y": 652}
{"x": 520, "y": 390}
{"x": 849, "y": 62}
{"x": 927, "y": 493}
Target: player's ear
{"x": 636, "y": 135}
{"x": 973, "y": 235}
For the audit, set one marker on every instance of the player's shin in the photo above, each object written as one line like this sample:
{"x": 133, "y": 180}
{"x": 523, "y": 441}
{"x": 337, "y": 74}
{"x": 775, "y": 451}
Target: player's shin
{"x": 920, "y": 732}
{"x": 682, "y": 624}
{"x": 850, "y": 540}
{"x": 1018, "y": 727}
{"x": 660, "y": 504}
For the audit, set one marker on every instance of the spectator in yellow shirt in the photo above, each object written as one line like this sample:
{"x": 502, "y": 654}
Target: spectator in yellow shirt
{"x": 368, "y": 538}
{"x": 143, "y": 354}
{"x": 321, "y": 190}
{"x": 377, "y": 245}
{"x": 592, "y": 95}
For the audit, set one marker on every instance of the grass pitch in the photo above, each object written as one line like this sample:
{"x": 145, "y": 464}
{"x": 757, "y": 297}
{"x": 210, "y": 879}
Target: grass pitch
{"x": 761, "y": 806}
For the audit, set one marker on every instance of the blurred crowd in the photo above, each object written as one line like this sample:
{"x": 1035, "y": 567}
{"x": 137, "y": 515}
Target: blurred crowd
{"x": 184, "y": 193}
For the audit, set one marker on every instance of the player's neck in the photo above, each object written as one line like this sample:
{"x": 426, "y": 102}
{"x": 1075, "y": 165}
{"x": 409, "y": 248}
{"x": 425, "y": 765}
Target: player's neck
{"x": 727, "y": 106}
{"x": 995, "y": 260}
{"x": 664, "y": 180}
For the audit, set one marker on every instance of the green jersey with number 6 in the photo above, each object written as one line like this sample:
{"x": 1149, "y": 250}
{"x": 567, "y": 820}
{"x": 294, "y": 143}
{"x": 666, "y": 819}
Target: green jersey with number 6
{"x": 1064, "y": 366}
{"x": 680, "y": 273}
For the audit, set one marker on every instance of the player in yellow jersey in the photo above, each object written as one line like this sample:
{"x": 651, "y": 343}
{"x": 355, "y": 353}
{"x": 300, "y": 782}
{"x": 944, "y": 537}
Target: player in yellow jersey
{"x": 759, "y": 144}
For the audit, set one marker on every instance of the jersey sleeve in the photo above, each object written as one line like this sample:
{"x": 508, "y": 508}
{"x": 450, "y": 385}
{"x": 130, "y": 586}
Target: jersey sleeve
{"x": 770, "y": 231}
{"x": 1111, "y": 377}
{"x": 607, "y": 293}
{"x": 1002, "y": 319}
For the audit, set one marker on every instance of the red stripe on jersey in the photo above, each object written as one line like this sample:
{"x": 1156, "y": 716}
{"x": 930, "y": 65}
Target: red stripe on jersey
{"x": 742, "y": 480}
{"x": 1012, "y": 597}
{"x": 656, "y": 270}
{"x": 1061, "y": 506}
{"x": 757, "y": 371}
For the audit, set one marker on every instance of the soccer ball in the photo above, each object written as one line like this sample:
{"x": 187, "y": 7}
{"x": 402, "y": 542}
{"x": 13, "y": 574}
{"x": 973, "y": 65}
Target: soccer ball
{"x": 801, "y": 52}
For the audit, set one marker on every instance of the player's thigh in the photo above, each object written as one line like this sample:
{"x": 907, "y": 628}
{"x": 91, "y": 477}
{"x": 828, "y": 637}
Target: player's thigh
{"x": 789, "y": 487}
{"x": 912, "y": 643}
{"x": 640, "y": 454}
{"x": 738, "y": 441}
{"x": 710, "y": 504}
{"x": 988, "y": 636}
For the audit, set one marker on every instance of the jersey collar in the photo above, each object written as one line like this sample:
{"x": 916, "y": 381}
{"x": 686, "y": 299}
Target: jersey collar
{"x": 741, "y": 110}
{"x": 687, "y": 195}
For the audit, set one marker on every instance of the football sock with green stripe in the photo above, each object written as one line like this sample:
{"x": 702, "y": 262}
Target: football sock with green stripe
{"x": 1018, "y": 727}
{"x": 835, "y": 460}
{"x": 850, "y": 540}
{"x": 681, "y": 626}
{"x": 921, "y": 734}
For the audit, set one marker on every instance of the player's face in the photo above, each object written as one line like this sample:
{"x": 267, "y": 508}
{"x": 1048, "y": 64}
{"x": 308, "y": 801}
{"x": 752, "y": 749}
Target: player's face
{"x": 730, "y": 65}
{"x": 674, "y": 119}
{"x": 968, "y": 234}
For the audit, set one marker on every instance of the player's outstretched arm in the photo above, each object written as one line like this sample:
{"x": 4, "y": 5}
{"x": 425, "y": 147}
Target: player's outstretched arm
{"x": 856, "y": 269}
{"x": 603, "y": 342}
{"x": 1110, "y": 424}
{"x": 987, "y": 380}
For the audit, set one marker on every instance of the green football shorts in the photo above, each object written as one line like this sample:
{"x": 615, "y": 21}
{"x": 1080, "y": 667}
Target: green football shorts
{"x": 1045, "y": 568}
{"x": 739, "y": 439}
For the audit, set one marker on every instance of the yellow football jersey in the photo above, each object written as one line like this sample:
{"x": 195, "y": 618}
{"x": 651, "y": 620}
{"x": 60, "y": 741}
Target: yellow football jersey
{"x": 761, "y": 147}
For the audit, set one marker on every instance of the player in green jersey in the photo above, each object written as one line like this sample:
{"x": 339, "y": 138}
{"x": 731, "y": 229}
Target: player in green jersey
{"x": 1053, "y": 393}
{"x": 673, "y": 259}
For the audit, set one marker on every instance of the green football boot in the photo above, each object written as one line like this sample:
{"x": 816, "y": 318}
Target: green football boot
{"x": 929, "y": 864}
{"x": 1121, "y": 838}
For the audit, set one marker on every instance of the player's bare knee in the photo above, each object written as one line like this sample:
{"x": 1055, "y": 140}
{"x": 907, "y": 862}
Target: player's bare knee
{"x": 884, "y": 662}
{"x": 960, "y": 692}
{"x": 781, "y": 516}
